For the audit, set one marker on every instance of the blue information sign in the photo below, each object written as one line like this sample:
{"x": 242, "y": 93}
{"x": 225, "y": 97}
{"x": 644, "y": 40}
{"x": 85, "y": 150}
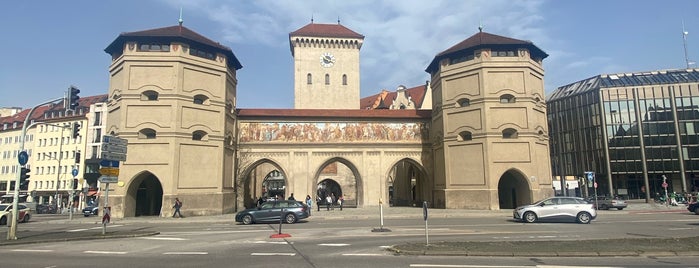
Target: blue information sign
{"x": 23, "y": 157}
{"x": 75, "y": 172}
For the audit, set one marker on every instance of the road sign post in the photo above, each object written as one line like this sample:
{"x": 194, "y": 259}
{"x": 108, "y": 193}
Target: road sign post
{"x": 424, "y": 215}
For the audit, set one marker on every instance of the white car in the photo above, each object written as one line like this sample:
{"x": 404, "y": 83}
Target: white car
{"x": 6, "y": 213}
{"x": 558, "y": 208}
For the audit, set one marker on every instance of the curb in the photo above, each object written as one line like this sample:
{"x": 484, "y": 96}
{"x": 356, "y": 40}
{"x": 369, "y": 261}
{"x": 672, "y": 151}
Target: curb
{"x": 545, "y": 254}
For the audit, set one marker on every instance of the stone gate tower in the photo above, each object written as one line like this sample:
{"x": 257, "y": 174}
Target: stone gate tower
{"x": 489, "y": 130}
{"x": 172, "y": 95}
{"x": 326, "y": 66}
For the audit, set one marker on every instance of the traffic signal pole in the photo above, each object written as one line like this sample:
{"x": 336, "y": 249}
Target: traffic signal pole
{"x": 12, "y": 234}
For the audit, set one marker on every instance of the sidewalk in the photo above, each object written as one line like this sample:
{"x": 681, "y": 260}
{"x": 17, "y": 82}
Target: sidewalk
{"x": 58, "y": 230}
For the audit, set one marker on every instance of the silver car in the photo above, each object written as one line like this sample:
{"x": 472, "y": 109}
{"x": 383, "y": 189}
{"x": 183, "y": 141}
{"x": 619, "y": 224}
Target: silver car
{"x": 557, "y": 209}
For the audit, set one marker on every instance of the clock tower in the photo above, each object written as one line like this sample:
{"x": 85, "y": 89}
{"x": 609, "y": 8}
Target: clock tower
{"x": 326, "y": 66}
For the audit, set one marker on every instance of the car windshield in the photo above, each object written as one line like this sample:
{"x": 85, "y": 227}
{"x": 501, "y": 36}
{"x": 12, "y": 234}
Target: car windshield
{"x": 3, "y": 207}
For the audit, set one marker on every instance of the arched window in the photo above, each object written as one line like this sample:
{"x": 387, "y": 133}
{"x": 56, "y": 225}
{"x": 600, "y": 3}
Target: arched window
{"x": 146, "y": 133}
{"x": 309, "y": 79}
{"x": 344, "y": 79}
{"x": 507, "y": 98}
{"x": 327, "y": 79}
{"x": 509, "y": 133}
{"x": 199, "y": 135}
{"x": 464, "y": 102}
{"x": 149, "y": 95}
{"x": 464, "y": 136}
{"x": 201, "y": 99}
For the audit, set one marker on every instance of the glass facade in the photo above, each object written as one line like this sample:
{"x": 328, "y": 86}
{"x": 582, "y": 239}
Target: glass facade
{"x": 632, "y": 130}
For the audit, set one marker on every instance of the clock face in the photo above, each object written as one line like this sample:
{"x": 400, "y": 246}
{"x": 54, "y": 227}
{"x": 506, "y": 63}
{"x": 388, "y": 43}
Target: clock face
{"x": 327, "y": 60}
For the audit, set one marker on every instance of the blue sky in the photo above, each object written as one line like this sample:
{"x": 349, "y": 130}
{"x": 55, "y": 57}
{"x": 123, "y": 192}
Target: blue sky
{"x": 49, "y": 45}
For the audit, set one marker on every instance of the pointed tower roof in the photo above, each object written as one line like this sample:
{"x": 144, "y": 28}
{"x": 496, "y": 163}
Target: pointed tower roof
{"x": 172, "y": 33}
{"x": 482, "y": 40}
{"x": 326, "y": 30}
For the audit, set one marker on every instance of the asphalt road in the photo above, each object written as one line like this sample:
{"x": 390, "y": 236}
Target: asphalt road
{"x": 341, "y": 242}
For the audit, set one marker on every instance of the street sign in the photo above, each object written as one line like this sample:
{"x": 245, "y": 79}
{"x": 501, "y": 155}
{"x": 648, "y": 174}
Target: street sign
{"x": 595, "y": 185}
{"x": 75, "y": 172}
{"x": 113, "y": 156}
{"x": 23, "y": 157}
{"x": 114, "y": 140}
{"x": 590, "y": 175}
{"x": 114, "y": 148}
{"x": 108, "y": 179}
{"x": 665, "y": 185}
{"x": 424, "y": 209}
{"x": 109, "y": 171}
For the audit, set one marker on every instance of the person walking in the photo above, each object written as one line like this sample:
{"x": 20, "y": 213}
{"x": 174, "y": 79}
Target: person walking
{"x": 291, "y": 197}
{"x": 328, "y": 202}
{"x": 318, "y": 199}
{"x": 177, "y": 206}
{"x": 341, "y": 200}
{"x": 309, "y": 203}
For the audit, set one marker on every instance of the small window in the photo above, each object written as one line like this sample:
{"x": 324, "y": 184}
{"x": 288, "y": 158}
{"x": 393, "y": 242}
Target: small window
{"x": 154, "y": 47}
{"x": 507, "y": 98}
{"x": 146, "y": 133}
{"x": 327, "y": 79}
{"x": 201, "y": 99}
{"x": 509, "y": 133}
{"x": 201, "y": 53}
{"x": 464, "y": 102}
{"x": 344, "y": 79}
{"x": 309, "y": 79}
{"x": 464, "y": 136}
{"x": 199, "y": 135}
{"x": 149, "y": 95}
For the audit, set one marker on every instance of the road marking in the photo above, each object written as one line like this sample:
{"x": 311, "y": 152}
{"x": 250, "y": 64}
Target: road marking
{"x": 33, "y": 250}
{"x": 683, "y": 228}
{"x": 271, "y": 242}
{"x": 499, "y": 266}
{"x": 77, "y": 230}
{"x": 272, "y": 254}
{"x": 186, "y": 253}
{"x": 106, "y": 252}
{"x": 334, "y": 245}
{"x": 362, "y": 254}
{"x": 165, "y": 238}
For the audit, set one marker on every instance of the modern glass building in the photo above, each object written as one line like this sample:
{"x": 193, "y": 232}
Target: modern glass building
{"x": 633, "y": 130}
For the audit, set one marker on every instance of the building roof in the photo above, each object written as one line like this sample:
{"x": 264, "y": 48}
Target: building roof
{"x": 172, "y": 33}
{"x": 386, "y": 97}
{"x": 41, "y": 112}
{"x": 326, "y": 30}
{"x": 333, "y": 114}
{"x": 485, "y": 40}
{"x": 662, "y": 77}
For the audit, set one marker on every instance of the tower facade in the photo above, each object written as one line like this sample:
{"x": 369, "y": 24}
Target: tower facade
{"x": 326, "y": 66}
{"x": 489, "y": 132}
{"x": 172, "y": 97}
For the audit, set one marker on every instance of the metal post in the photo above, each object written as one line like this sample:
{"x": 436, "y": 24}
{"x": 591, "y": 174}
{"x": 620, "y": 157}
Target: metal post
{"x": 58, "y": 175}
{"x": 381, "y": 212}
{"x": 106, "y": 205}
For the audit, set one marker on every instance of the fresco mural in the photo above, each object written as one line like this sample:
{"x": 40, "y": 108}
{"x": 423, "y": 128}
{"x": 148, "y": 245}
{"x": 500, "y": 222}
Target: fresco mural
{"x": 332, "y": 132}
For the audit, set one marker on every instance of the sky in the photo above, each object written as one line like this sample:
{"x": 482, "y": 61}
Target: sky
{"x": 47, "y": 46}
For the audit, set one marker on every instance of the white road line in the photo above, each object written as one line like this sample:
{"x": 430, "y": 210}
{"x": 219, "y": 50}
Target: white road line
{"x": 334, "y": 245}
{"x": 271, "y": 242}
{"x": 33, "y": 250}
{"x": 77, "y": 230}
{"x": 165, "y": 238}
{"x": 385, "y": 247}
{"x": 683, "y": 228}
{"x": 362, "y": 254}
{"x": 465, "y": 266}
{"x": 106, "y": 252}
{"x": 186, "y": 253}
{"x": 272, "y": 254}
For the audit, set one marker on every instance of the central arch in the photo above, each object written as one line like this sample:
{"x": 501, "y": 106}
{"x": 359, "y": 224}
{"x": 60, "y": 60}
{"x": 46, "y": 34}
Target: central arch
{"x": 144, "y": 195}
{"x": 407, "y": 184}
{"x": 513, "y": 190}
{"x": 339, "y": 177}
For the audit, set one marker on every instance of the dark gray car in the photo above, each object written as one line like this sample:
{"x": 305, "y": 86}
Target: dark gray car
{"x": 272, "y": 211}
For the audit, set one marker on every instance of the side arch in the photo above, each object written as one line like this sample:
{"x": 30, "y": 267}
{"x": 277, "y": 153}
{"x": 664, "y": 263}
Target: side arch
{"x": 144, "y": 196}
{"x": 251, "y": 183}
{"x": 407, "y": 183}
{"x": 514, "y": 189}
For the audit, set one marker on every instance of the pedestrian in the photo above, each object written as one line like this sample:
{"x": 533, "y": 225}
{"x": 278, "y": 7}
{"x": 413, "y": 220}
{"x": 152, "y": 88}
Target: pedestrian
{"x": 309, "y": 203}
{"x": 318, "y": 199}
{"x": 260, "y": 201}
{"x": 177, "y": 206}
{"x": 341, "y": 200}
{"x": 334, "y": 199}
{"x": 291, "y": 197}
{"x": 328, "y": 202}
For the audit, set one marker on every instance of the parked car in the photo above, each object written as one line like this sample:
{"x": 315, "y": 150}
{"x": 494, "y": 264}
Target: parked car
{"x": 607, "y": 202}
{"x": 90, "y": 210}
{"x": 693, "y": 207}
{"x": 6, "y": 213}
{"x": 272, "y": 211}
{"x": 557, "y": 209}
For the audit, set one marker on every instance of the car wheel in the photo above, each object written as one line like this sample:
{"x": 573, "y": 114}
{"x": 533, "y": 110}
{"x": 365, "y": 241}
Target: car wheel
{"x": 529, "y": 217}
{"x": 619, "y": 208}
{"x": 3, "y": 221}
{"x": 26, "y": 218}
{"x": 290, "y": 218}
{"x": 584, "y": 217}
{"x": 247, "y": 219}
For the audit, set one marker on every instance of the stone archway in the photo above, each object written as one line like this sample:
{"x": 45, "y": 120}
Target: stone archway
{"x": 513, "y": 190}
{"x": 407, "y": 184}
{"x": 262, "y": 179}
{"x": 342, "y": 176}
{"x": 328, "y": 187}
{"x": 146, "y": 195}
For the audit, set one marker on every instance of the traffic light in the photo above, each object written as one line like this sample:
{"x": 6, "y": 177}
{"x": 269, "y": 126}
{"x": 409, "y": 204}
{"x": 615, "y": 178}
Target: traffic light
{"x": 24, "y": 178}
{"x": 77, "y": 157}
{"x": 73, "y": 98}
{"x": 76, "y": 130}
{"x": 75, "y": 184}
